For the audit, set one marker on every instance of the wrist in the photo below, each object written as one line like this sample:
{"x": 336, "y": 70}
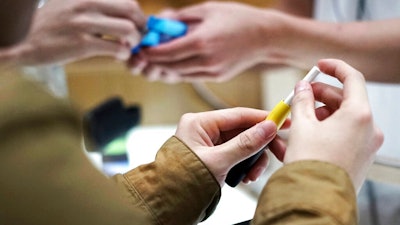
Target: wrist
{"x": 277, "y": 34}
{"x": 304, "y": 41}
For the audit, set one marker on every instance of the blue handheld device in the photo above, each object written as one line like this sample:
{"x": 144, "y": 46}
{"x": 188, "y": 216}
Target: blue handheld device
{"x": 160, "y": 30}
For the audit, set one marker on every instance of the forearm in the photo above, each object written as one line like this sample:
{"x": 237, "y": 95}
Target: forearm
{"x": 371, "y": 47}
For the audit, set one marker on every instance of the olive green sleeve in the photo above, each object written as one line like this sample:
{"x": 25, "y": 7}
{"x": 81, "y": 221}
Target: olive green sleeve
{"x": 307, "y": 192}
{"x": 46, "y": 177}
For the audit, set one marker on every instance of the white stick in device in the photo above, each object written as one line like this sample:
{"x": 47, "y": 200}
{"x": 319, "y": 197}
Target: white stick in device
{"x": 282, "y": 109}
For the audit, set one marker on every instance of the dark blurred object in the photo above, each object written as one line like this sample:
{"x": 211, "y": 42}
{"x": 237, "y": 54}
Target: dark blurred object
{"x": 108, "y": 121}
{"x": 15, "y": 20}
{"x": 244, "y": 223}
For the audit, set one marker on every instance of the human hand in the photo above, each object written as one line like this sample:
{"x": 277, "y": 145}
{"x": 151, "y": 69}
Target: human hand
{"x": 343, "y": 131}
{"x": 65, "y": 31}
{"x": 223, "y": 138}
{"x": 223, "y": 40}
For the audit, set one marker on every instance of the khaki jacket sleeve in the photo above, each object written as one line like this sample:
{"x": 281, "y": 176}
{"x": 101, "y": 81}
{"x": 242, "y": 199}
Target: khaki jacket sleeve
{"x": 177, "y": 188}
{"x": 307, "y": 192}
{"x": 45, "y": 176}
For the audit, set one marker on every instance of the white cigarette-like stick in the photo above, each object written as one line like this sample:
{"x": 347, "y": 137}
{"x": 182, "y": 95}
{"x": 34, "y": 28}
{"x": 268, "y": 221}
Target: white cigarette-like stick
{"x": 311, "y": 75}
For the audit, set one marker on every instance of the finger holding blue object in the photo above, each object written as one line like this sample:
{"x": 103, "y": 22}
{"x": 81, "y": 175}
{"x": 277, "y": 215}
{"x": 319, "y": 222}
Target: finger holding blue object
{"x": 160, "y": 30}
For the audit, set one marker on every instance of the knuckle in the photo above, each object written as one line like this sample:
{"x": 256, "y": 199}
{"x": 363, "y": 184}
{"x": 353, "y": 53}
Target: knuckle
{"x": 245, "y": 143}
{"x": 204, "y": 44}
{"x": 126, "y": 27}
{"x": 199, "y": 44}
{"x": 379, "y": 138}
{"x": 81, "y": 23}
{"x": 187, "y": 117}
{"x": 84, "y": 5}
{"x": 130, "y": 5}
{"x": 364, "y": 116}
{"x": 300, "y": 98}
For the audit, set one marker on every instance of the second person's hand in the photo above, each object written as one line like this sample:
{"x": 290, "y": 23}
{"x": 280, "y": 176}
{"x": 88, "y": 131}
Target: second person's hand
{"x": 66, "y": 31}
{"x": 223, "y": 40}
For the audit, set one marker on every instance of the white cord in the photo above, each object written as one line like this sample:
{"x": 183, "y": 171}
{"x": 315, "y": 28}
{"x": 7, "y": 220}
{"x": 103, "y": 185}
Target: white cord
{"x": 208, "y": 96}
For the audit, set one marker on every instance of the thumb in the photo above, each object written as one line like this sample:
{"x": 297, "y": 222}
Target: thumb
{"x": 248, "y": 142}
{"x": 303, "y": 101}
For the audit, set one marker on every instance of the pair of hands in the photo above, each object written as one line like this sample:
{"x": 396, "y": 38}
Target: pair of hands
{"x": 223, "y": 40}
{"x": 66, "y": 31}
{"x": 341, "y": 132}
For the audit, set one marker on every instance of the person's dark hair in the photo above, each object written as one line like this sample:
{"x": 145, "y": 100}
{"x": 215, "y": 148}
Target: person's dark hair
{"x": 15, "y": 20}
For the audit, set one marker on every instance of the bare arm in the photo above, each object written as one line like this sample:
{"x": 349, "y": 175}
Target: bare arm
{"x": 67, "y": 31}
{"x": 221, "y": 45}
{"x": 372, "y": 47}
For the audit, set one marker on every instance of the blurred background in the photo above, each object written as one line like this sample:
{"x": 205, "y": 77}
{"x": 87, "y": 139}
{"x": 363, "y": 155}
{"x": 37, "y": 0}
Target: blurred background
{"x": 93, "y": 81}
{"x": 90, "y": 82}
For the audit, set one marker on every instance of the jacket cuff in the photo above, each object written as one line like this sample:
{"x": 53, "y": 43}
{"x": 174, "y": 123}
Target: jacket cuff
{"x": 311, "y": 190}
{"x": 177, "y": 188}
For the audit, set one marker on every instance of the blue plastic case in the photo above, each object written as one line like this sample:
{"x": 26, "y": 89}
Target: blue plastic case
{"x": 160, "y": 30}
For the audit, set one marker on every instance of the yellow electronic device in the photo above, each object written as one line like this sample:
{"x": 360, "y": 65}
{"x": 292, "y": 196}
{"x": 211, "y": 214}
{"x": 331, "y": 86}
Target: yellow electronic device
{"x": 278, "y": 114}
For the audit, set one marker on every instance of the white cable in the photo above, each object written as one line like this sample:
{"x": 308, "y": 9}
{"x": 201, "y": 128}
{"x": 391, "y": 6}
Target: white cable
{"x": 208, "y": 96}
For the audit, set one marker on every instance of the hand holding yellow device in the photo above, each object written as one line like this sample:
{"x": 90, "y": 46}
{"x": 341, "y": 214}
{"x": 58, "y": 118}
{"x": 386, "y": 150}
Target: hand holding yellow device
{"x": 278, "y": 114}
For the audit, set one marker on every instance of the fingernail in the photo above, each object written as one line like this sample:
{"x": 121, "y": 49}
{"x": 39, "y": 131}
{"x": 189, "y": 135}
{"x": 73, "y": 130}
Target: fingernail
{"x": 259, "y": 171}
{"x": 246, "y": 181}
{"x": 264, "y": 129}
{"x": 123, "y": 54}
{"x": 138, "y": 69}
{"x": 133, "y": 40}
